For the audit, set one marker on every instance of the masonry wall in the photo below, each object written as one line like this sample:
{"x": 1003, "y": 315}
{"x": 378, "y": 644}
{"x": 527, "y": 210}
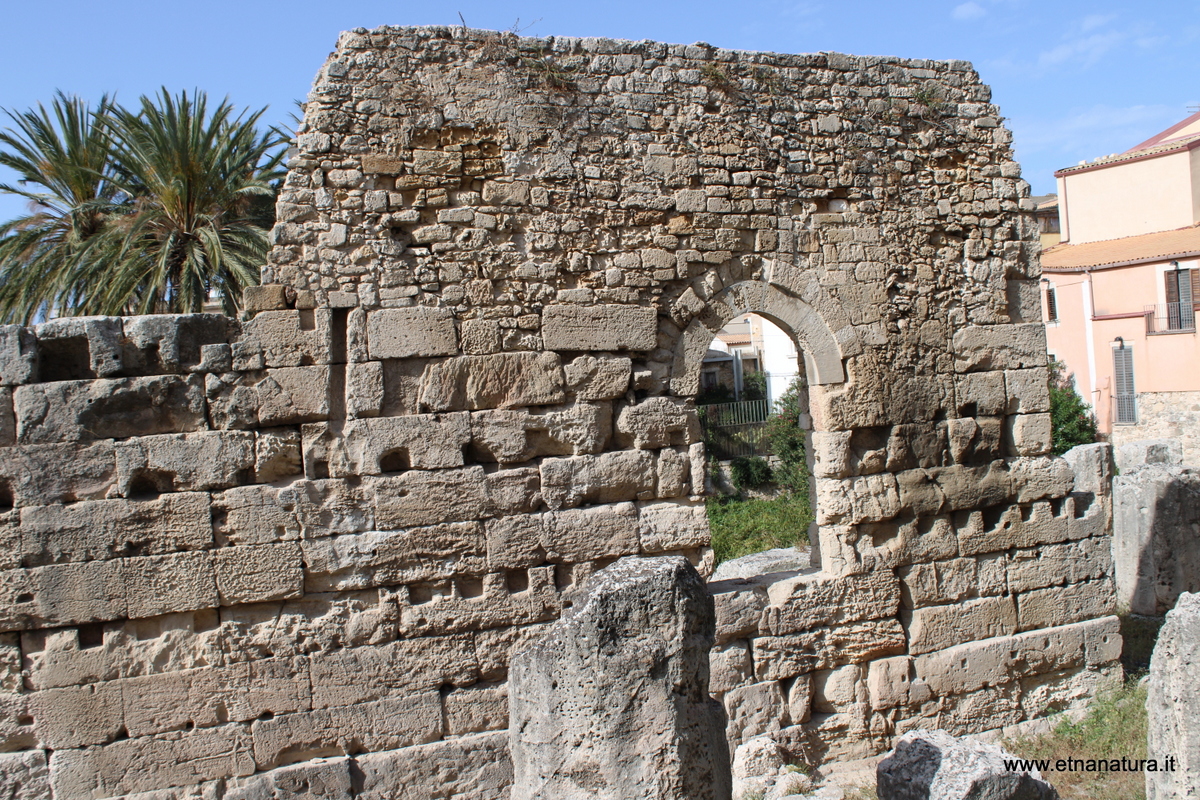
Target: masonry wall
{"x": 298, "y": 549}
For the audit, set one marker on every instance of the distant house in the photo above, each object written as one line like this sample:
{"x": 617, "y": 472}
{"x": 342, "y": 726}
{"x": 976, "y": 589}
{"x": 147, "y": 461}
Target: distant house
{"x": 1120, "y": 293}
{"x": 749, "y": 344}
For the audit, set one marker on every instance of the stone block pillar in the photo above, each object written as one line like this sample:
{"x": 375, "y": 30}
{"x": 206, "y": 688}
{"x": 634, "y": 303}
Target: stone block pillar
{"x": 612, "y": 703}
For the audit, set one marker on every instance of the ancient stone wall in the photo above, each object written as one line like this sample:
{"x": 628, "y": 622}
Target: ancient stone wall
{"x": 299, "y": 549}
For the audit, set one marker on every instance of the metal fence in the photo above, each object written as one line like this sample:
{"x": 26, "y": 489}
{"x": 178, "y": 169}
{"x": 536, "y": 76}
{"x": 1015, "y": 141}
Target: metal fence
{"x": 735, "y": 429}
{"x": 1170, "y": 317}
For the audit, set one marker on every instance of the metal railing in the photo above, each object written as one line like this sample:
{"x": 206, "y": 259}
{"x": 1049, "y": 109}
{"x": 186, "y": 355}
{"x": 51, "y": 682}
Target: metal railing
{"x": 1170, "y": 318}
{"x": 736, "y": 429}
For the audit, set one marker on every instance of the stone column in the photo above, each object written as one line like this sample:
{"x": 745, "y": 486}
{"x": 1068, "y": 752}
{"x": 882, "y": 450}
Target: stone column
{"x": 612, "y": 703}
{"x": 1173, "y": 704}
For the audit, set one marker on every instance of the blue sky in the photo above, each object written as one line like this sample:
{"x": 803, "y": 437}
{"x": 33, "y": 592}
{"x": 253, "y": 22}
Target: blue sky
{"x": 1075, "y": 80}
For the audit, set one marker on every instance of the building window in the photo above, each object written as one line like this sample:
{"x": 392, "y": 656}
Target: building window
{"x": 1124, "y": 393}
{"x": 1051, "y": 304}
{"x": 1183, "y": 287}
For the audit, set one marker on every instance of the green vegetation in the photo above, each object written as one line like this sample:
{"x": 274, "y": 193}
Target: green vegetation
{"x": 741, "y": 526}
{"x": 1071, "y": 421}
{"x": 1114, "y": 727}
{"x": 135, "y": 211}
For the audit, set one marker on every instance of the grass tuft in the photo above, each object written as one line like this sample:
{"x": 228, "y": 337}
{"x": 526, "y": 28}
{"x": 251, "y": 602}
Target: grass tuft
{"x": 742, "y": 527}
{"x": 1114, "y": 727}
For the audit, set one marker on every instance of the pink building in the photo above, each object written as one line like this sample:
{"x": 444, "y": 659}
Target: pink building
{"x": 1122, "y": 290}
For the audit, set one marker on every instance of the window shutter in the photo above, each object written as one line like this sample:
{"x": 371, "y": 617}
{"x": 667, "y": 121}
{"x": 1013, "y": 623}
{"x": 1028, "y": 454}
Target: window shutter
{"x": 1187, "y": 311}
{"x": 1051, "y": 305}
{"x": 1195, "y": 286}
{"x": 1124, "y": 394}
{"x": 1172, "y": 286}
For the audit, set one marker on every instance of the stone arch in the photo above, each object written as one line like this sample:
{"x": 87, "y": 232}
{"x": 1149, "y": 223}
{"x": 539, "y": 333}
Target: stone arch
{"x": 822, "y": 352}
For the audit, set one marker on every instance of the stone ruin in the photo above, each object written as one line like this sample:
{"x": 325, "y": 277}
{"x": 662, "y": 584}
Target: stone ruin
{"x": 296, "y": 552}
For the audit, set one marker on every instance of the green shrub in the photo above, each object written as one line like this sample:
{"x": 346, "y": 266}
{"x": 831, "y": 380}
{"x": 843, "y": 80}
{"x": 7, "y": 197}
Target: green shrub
{"x": 741, "y": 527}
{"x": 787, "y": 440}
{"x": 1071, "y": 421}
{"x": 749, "y": 473}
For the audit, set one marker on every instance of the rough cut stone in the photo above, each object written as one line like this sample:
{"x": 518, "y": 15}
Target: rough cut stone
{"x": 933, "y": 765}
{"x": 503, "y": 380}
{"x": 409, "y": 332}
{"x": 600, "y": 327}
{"x": 612, "y": 702}
{"x": 1173, "y": 703}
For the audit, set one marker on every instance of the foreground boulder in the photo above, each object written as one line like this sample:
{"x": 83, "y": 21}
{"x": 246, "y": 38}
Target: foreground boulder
{"x": 933, "y": 765}
{"x": 612, "y": 703}
{"x": 1173, "y": 703}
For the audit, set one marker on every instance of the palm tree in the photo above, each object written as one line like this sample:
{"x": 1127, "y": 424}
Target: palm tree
{"x": 63, "y": 155}
{"x": 183, "y": 212}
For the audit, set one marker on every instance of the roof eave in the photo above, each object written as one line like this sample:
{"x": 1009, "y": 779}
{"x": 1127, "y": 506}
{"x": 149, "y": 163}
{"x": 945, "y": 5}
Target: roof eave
{"x": 1132, "y": 263}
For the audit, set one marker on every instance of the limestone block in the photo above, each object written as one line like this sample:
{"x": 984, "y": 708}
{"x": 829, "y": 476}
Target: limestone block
{"x": 1040, "y": 478}
{"x": 324, "y": 778}
{"x": 475, "y": 766}
{"x": 328, "y": 507}
{"x": 831, "y": 454}
{"x": 253, "y": 515}
{"x": 942, "y": 582}
{"x": 18, "y": 355}
{"x": 920, "y": 493}
{"x": 838, "y": 690}
{"x": 657, "y": 422}
{"x": 258, "y": 573}
{"x": 1045, "y": 608}
{"x": 674, "y": 472}
{"x": 617, "y": 690}
{"x": 61, "y": 594}
{"x": 1027, "y": 434}
{"x": 103, "y": 529}
{"x": 269, "y": 297}
{"x": 151, "y": 762}
{"x": 77, "y": 716}
{"x": 869, "y": 498}
{"x": 168, "y": 584}
{"x": 292, "y": 395}
{"x": 992, "y": 347}
{"x": 1092, "y": 465}
{"x": 939, "y": 627}
{"x": 278, "y": 455}
{"x": 892, "y": 683}
{"x": 46, "y": 474}
{"x": 418, "y": 331}
{"x": 8, "y": 422}
{"x": 587, "y": 534}
{"x": 1058, "y": 564}
{"x": 1173, "y": 702}
{"x": 974, "y": 440}
{"x": 354, "y": 675}
{"x": 292, "y": 338}
{"x": 729, "y": 666}
{"x": 24, "y": 775}
{"x": 73, "y": 348}
{"x": 364, "y": 389}
{"x": 184, "y": 462}
{"x": 76, "y": 411}
{"x": 174, "y": 343}
{"x": 820, "y": 600}
{"x": 393, "y": 444}
{"x": 927, "y": 764}
{"x": 480, "y": 337}
{"x": 417, "y": 497}
{"x": 782, "y": 657}
{"x": 360, "y": 561}
{"x": 504, "y": 380}
{"x": 12, "y": 546}
{"x": 394, "y": 722}
{"x": 663, "y": 527}
{"x": 474, "y": 709}
{"x": 463, "y": 606}
{"x": 605, "y": 478}
{"x": 598, "y": 377}
{"x": 210, "y": 696}
{"x": 740, "y": 604}
{"x": 599, "y": 327}
{"x": 1015, "y": 526}
{"x": 1131, "y": 455}
{"x": 513, "y": 491}
{"x": 1027, "y": 391}
{"x": 800, "y": 697}
{"x": 513, "y": 437}
{"x": 515, "y": 542}
{"x": 436, "y": 162}
{"x": 982, "y": 394}
{"x": 973, "y": 487}
{"x": 754, "y": 710}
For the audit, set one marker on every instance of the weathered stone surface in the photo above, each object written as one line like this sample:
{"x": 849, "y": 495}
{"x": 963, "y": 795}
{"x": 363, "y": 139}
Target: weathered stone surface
{"x": 504, "y": 380}
{"x": 394, "y": 444}
{"x": 176, "y": 343}
{"x": 283, "y": 396}
{"x": 476, "y": 767}
{"x": 259, "y": 573}
{"x": 417, "y": 498}
{"x": 821, "y": 600}
{"x": 599, "y": 327}
{"x": 664, "y": 527}
{"x": 293, "y": 338}
{"x": 614, "y": 698}
{"x": 782, "y": 657}
{"x": 513, "y": 437}
{"x": 184, "y": 462}
{"x": 62, "y": 594}
{"x": 359, "y": 561}
{"x": 991, "y": 347}
{"x": 933, "y": 765}
{"x": 57, "y": 473}
{"x": 657, "y": 422}
{"x": 72, "y": 348}
{"x": 606, "y": 478}
{"x": 24, "y": 776}
{"x": 1173, "y": 702}
{"x": 584, "y": 534}
{"x": 939, "y": 627}
{"x": 18, "y": 355}
{"x": 598, "y": 377}
{"x": 409, "y": 332}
